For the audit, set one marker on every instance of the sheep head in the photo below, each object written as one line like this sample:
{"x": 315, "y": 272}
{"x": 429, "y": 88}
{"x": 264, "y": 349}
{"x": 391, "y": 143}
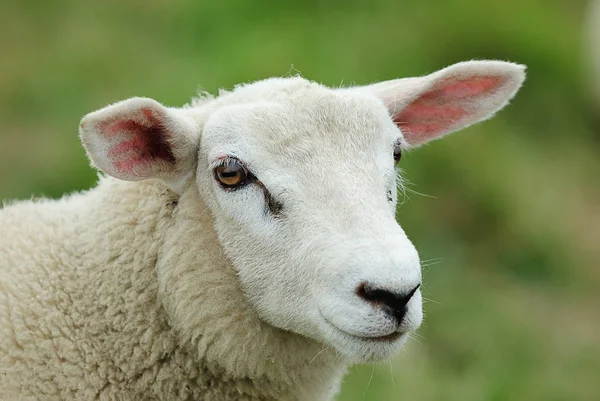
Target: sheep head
{"x": 301, "y": 181}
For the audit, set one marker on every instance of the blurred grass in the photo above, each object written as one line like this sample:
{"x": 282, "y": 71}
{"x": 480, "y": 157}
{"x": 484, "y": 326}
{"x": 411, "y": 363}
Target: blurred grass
{"x": 512, "y": 221}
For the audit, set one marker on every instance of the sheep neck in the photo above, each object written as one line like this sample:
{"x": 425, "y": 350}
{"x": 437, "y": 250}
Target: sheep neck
{"x": 186, "y": 311}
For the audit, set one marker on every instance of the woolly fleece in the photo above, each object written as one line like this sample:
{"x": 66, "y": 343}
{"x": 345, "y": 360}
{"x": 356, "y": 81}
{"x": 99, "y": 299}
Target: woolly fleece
{"x": 80, "y": 318}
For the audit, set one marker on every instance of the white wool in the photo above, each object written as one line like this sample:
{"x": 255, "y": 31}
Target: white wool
{"x": 161, "y": 284}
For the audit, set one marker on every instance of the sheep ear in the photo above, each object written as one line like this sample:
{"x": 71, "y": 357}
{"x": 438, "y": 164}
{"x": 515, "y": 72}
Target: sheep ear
{"x": 139, "y": 138}
{"x": 429, "y": 107}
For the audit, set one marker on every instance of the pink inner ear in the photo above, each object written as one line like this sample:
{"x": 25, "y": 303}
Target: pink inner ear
{"x": 443, "y": 107}
{"x": 142, "y": 141}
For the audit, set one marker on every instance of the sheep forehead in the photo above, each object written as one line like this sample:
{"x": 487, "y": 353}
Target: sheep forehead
{"x": 295, "y": 118}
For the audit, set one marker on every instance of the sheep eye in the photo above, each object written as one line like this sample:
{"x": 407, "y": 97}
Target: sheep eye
{"x": 232, "y": 174}
{"x": 397, "y": 153}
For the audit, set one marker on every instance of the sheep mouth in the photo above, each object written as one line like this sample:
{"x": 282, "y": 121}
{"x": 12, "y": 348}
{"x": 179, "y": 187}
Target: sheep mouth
{"x": 386, "y": 338}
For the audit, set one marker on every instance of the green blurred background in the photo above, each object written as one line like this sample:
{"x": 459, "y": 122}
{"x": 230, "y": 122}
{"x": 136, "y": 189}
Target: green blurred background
{"x": 509, "y": 226}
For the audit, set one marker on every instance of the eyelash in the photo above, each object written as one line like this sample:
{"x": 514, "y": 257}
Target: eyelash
{"x": 249, "y": 178}
{"x": 273, "y": 206}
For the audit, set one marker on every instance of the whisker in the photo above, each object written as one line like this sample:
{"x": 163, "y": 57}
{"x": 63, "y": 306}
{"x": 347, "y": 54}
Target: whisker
{"x": 407, "y": 183}
{"x": 421, "y": 194}
{"x": 431, "y": 300}
{"x": 325, "y": 348}
{"x": 430, "y": 264}
{"x": 413, "y": 336}
{"x": 434, "y": 260}
{"x": 418, "y": 335}
{"x": 369, "y": 383}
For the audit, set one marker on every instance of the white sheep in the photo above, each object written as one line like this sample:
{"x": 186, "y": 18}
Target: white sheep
{"x": 244, "y": 247}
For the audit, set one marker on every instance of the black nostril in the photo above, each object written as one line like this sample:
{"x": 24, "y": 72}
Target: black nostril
{"x": 394, "y": 304}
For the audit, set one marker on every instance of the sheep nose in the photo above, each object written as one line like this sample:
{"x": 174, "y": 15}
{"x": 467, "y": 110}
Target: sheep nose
{"x": 392, "y": 303}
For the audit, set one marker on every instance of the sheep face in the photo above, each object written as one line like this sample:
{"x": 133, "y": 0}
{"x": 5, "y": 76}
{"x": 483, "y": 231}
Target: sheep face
{"x": 309, "y": 216}
{"x": 301, "y": 181}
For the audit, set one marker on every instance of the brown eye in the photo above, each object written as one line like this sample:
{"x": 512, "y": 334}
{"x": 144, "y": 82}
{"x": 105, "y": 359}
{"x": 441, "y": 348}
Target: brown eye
{"x": 231, "y": 174}
{"x": 397, "y": 153}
